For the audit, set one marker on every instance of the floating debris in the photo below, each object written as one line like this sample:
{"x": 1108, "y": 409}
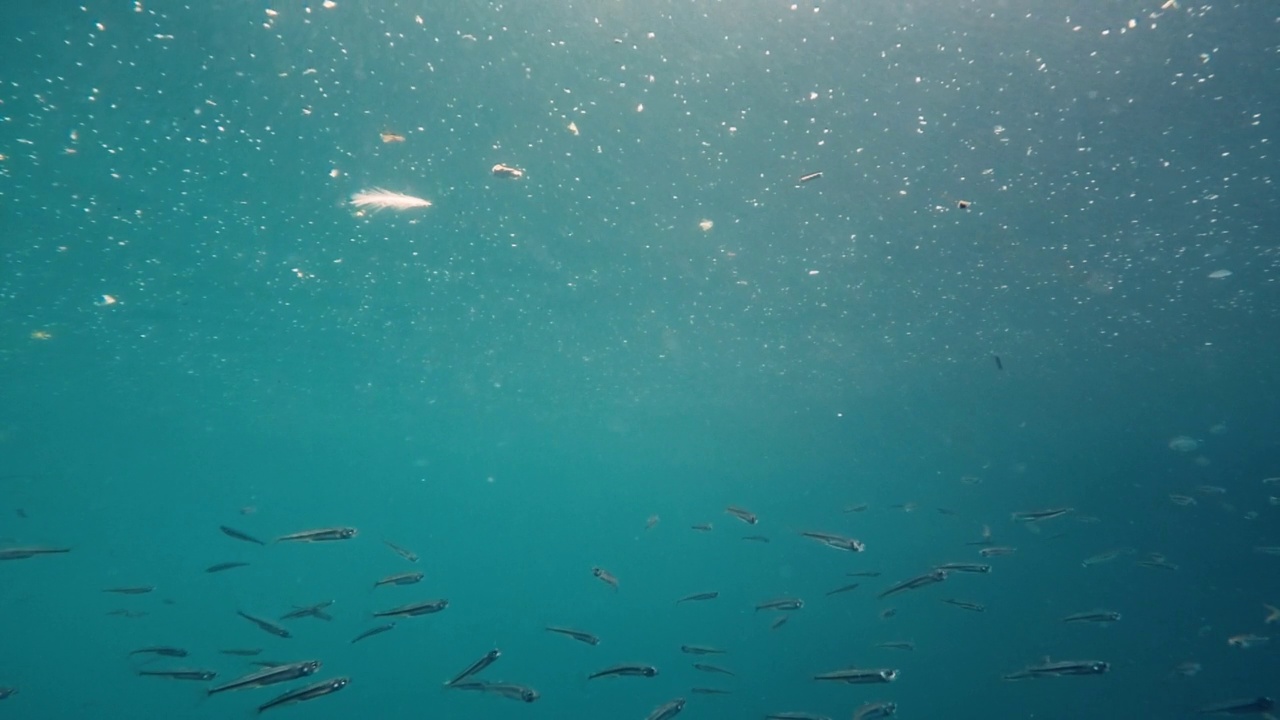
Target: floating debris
{"x": 376, "y": 199}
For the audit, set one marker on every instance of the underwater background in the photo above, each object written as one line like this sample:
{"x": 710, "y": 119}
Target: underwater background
{"x": 1040, "y": 270}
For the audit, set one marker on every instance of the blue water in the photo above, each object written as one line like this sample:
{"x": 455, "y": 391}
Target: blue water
{"x": 197, "y": 328}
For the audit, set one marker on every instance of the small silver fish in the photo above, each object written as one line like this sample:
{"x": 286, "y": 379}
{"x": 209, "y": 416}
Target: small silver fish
{"x": 310, "y": 692}
{"x": 408, "y": 578}
{"x": 667, "y": 710}
{"x": 1250, "y": 706}
{"x": 426, "y": 607}
{"x": 700, "y": 650}
{"x": 181, "y": 674}
{"x": 265, "y": 625}
{"x": 1095, "y": 616}
{"x": 373, "y": 631}
{"x": 476, "y": 667}
{"x": 1063, "y": 668}
{"x": 625, "y": 671}
{"x": 406, "y": 554}
{"x": 781, "y": 604}
{"x": 507, "y": 690}
{"x": 320, "y": 535}
{"x": 860, "y": 676}
{"x": 270, "y": 676}
{"x": 584, "y": 637}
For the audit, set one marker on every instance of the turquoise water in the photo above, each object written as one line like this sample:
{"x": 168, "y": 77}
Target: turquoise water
{"x": 197, "y": 329}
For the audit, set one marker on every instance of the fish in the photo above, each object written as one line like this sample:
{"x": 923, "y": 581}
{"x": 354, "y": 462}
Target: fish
{"x": 22, "y": 553}
{"x": 1183, "y": 500}
{"x": 232, "y": 532}
{"x": 875, "y": 710}
{"x": 709, "y": 691}
{"x": 870, "y": 573}
{"x": 1106, "y": 556}
{"x": 225, "y": 566}
{"x": 372, "y": 631}
{"x": 808, "y": 177}
{"x": 779, "y": 622}
{"x": 1095, "y": 616}
{"x": 701, "y": 527}
{"x": 265, "y": 625}
{"x": 861, "y": 507}
{"x": 667, "y": 710}
{"x": 1030, "y": 516}
{"x": 606, "y": 577}
{"x": 700, "y": 650}
{"x": 965, "y": 604}
{"x": 182, "y": 674}
{"x": 1249, "y": 706}
{"x": 898, "y": 645}
{"x": 270, "y": 676}
{"x": 756, "y": 538}
{"x": 7, "y": 692}
{"x": 408, "y": 578}
{"x": 999, "y": 365}
{"x": 128, "y": 613}
{"x": 1062, "y": 668}
{"x": 860, "y": 676}
{"x": 964, "y": 567}
{"x": 138, "y": 590}
{"x": 580, "y": 636}
{"x": 406, "y": 554}
{"x": 507, "y": 690}
{"x": 1157, "y": 561}
{"x": 745, "y": 516}
{"x": 843, "y": 589}
{"x": 699, "y": 596}
{"x": 377, "y": 199}
{"x": 653, "y": 520}
{"x": 1273, "y": 614}
{"x": 310, "y": 692}
{"x": 162, "y": 650}
{"x": 836, "y": 541}
{"x": 426, "y": 607}
{"x": 315, "y": 611}
{"x": 1246, "y": 641}
{"x": 242, "y": 652}
{"x": 704, "y": 667}
{"x": 476, "y": 667}
{"x": 1267, "y": 549}
{"x": 320, "y": 535}
{"x": 781, "y": 604}
{"x": 929, "y": 578}
{"x": 625, "y": 671}
{"x": 997, "y": 551}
